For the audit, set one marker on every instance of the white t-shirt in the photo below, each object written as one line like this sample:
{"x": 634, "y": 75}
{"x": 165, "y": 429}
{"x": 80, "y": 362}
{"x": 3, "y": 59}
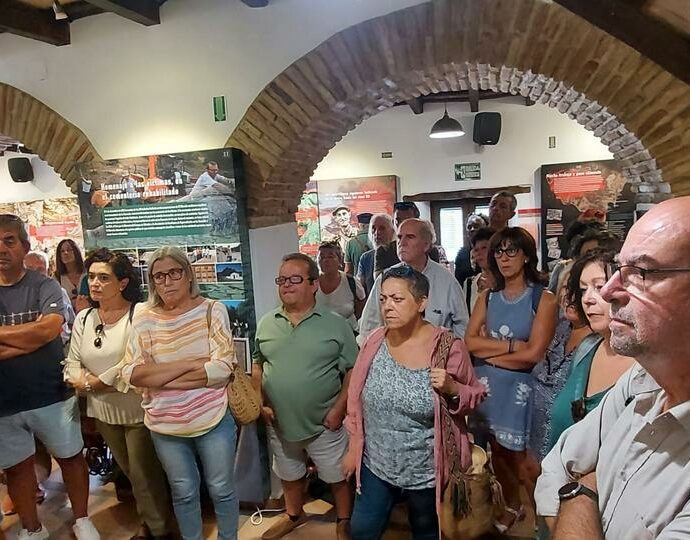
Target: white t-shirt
{"x": 205, "y": 181}
{"x": 341, "y": 301}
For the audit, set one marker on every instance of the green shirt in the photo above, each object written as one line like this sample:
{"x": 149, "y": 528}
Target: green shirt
{"x": 355, "y": 248}
{"x": 303, "y": 367}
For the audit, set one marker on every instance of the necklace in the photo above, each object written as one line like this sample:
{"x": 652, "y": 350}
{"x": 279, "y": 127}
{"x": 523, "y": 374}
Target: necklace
{"x": 113, "y": 316}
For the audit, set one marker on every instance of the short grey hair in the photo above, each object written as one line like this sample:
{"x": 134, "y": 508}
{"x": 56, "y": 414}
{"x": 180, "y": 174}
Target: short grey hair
{"x": 180, "y": 257}
{"x": 508, "y": 195}
{"x": 15, "y": 223}
{"x": 426, "y": 229}
{"x": 38, "y": 255}
{"x": 388, "y": 219}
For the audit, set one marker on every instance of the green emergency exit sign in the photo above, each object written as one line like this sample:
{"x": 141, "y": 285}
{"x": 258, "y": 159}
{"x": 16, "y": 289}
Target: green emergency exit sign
{"x": 219, "y": 110}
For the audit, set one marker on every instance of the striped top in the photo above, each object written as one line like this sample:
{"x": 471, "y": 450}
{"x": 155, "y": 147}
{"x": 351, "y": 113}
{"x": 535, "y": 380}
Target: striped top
{"x": 159, "y": 338}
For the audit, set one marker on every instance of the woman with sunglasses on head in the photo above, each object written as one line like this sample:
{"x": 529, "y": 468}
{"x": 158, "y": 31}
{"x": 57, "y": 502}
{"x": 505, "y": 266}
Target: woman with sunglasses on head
{"x": 338, "y": 292}
{"x": 181, "y": 356}
{"x": 398, "y": 442}
{"x": 595, "y": 366}
{"x": 509, "y": 331}
{"x": 99, "y": 339}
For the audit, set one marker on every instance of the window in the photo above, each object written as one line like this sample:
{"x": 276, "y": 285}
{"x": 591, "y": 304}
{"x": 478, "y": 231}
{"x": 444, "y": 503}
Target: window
{"x": 452, "y": 230}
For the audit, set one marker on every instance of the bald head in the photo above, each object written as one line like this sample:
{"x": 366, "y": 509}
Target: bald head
{"x": 649, "y": 298}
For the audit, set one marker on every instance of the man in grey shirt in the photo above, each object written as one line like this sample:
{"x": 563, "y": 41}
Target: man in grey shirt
{"x": 446, "y": 306}
{"x": 624, "y": 471}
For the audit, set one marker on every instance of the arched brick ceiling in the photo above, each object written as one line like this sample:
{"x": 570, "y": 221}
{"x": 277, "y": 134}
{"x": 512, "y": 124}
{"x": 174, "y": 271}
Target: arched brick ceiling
{"x": 40, "y": 128}
{"x": 528, "y": 47}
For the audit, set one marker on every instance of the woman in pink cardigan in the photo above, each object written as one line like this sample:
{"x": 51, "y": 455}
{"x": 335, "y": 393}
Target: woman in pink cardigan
{"x": 393, "y": 412}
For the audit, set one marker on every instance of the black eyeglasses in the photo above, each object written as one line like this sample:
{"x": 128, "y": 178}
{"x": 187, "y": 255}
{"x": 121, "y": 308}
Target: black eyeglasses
{"x": 295, "y": 280}
{"x": 174, "y": 273}
{"x": 578, "y": 409}
{"x": 510, "y": 251}
{"x": 636, "y": 276}
{"x": 98, "y": 342}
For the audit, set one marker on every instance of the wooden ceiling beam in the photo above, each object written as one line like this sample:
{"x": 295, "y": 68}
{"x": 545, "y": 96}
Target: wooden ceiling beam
{"x": 40, "y": 24}
{"x": 650, "y": 37}
{"x": 146, "y": 12}
{"x": 416, "y": 104}
{"x": 473, "y": 98}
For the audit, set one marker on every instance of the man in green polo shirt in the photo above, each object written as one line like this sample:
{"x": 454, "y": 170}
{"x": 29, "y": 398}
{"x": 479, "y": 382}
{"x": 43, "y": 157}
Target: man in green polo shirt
{"x": 302, "y": 361}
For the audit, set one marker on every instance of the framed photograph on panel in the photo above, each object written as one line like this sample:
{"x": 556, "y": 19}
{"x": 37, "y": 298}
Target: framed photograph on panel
{"x": 244, "y": 357}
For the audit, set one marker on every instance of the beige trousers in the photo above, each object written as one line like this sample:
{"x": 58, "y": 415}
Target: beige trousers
{"x": 133, "y": 450}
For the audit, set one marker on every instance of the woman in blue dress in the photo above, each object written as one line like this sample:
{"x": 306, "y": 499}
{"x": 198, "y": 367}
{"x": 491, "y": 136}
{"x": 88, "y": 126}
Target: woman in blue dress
{"x": 509, "y": 331}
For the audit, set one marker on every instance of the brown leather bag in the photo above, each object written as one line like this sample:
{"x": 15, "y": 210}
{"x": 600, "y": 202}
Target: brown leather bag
{"x": 243, "y": 400}
{"x": 469, "y": 499}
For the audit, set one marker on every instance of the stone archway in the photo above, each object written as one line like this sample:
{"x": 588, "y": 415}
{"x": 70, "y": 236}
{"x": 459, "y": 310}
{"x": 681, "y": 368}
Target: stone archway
{"x": 45, "y": 132}
{"x": 529, "y": 47}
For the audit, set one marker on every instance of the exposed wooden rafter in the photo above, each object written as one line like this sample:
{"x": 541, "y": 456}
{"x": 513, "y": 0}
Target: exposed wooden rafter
{"x": 651, "y": 37}
{"x": 473, "y": 97}
{"x": 22, "y": 20}
{"x": 417, "y": 105}
{"x": 146, "y": 12}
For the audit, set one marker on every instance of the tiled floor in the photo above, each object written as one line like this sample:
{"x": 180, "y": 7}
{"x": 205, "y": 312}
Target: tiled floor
{"x": 118, "y": 521}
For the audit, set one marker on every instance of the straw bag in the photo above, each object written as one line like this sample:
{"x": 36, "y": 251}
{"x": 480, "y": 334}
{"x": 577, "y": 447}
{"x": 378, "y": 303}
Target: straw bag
{"x": 243, "y": 400}
{"x": 469, "y": 500}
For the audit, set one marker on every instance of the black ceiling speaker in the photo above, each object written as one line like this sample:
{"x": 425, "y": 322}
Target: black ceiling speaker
{"x": 20, "y": 169}
{"x": 487, "y": 128}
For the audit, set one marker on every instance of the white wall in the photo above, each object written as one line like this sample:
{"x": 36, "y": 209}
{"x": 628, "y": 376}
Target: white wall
{"x": 268, "y": 245}
{"x": 47, "y": 183}
{"x": 137, "y": 91}
{"x": 426, "y": 165}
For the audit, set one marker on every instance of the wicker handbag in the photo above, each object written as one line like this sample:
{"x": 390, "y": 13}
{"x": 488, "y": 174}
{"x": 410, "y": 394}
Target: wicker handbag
{"x": 243, "y": 400}
{"x": 469, "y": 499}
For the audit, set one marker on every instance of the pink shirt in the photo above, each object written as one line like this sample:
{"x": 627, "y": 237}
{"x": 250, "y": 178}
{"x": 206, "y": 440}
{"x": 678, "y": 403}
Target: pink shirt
{"x": 468, "y": 389}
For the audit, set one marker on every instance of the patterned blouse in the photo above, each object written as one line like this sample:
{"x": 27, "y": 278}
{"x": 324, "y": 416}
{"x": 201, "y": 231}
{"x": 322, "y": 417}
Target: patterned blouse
{"x": 398, "y": 408}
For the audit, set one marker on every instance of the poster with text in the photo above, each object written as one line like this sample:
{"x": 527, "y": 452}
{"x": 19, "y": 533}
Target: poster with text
{"x": 338, "y": 203}
{"x": 189, "y": 200}
{"x": 48, "y": 221}
{"x": 593, "y": 190}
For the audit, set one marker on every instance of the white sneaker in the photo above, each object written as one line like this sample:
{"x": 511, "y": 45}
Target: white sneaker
{"x": 40, "y": 534}
{"x": 84, "y": 530}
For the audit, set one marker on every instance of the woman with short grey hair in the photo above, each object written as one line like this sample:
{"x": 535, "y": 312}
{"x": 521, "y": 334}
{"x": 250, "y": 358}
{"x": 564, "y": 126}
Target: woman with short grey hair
{"x": 180, "y": 355}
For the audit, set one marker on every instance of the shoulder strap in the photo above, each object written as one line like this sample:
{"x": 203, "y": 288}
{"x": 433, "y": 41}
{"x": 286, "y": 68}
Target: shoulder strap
{"x": 131, "y": 311}
{"x": 537, "y": 291}
{"x": 88, "y": 312}
{"x": 352, "y": 284}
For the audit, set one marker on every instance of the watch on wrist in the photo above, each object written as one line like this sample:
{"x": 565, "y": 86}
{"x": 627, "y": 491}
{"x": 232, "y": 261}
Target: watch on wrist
{"x": 573, "y": 489}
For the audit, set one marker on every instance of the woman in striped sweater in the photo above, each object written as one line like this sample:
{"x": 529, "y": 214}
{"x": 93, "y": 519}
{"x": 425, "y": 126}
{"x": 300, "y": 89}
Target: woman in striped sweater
{"x": 180, "y": 355}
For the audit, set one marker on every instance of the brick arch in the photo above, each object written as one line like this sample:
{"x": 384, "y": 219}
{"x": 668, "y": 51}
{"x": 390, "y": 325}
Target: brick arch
{"x": 529, "y": 47}
{"x": 45, "y": 132}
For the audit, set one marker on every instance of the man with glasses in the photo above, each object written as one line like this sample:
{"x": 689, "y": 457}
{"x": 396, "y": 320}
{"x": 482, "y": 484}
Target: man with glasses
{"x": 630, "y": 457}
{"x": 34, "y": 401}
{"x": 302, "y": 361}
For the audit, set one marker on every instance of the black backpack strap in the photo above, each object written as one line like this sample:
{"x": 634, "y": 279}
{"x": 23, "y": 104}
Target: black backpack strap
{"x": 352, "y": 284}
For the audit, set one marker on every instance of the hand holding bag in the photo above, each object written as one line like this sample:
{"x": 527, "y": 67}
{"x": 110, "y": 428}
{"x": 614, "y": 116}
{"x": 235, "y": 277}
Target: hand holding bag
{"x": 469, "y": 499}
{"x": 243, "y": 400}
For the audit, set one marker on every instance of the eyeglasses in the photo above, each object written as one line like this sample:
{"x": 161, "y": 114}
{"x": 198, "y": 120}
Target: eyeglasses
{"x": 295, "y": 280}
{"x": 578, "y": 409}
{"x": 174, "y": 273}
{"x": 510, "y": 251}
{"x": 636, "y": 276}
{"x": 98, "y": 342}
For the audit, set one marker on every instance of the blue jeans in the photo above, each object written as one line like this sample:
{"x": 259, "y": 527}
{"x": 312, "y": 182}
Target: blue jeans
{"x": 373, "y": 509}
{"x": 216, "y": 452}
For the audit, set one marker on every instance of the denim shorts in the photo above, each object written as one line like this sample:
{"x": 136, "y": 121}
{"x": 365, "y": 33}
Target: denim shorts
{"x": 57, "y": 426}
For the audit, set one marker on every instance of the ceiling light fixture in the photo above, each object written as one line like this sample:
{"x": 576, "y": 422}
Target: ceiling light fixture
{"x": 60, "y": 14}
{"x": 446, "y": 127}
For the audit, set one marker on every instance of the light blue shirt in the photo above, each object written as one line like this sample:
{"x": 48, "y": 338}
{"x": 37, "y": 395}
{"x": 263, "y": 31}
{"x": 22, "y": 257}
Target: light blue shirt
{"x": 446, "y": 305}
